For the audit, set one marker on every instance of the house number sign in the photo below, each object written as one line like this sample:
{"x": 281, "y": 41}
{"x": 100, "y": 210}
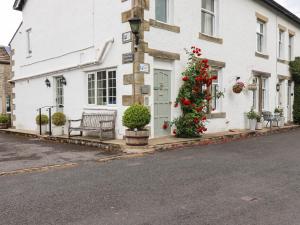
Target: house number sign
{"x": 127, "y": 58}
{"x": 144, "y": 68}
{"x": 126, "y": 37}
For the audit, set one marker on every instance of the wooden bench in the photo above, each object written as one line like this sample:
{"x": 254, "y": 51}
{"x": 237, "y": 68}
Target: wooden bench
{"x": 103, "y": 122}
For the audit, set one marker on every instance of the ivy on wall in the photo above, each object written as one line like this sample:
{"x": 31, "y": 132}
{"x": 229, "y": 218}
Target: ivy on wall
{"x": 295, "y": 71}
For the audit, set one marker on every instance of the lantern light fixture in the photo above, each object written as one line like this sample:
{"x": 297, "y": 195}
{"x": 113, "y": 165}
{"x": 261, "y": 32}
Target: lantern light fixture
{"x": 48, "y": 83}
{"x": 135, "y": 25}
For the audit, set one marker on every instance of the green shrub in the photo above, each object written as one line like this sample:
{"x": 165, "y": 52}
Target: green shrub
{"x": 136, "y": 117}
{"x": 252, "y": 115}
{"x": 258, "y": 118}
{"x": 296, "y": 112}
{"x": 4, "y": 118}
{"x": 59, "y": 119}
{"x": 295, "y": 71}
{"x": 44, "y": 120}
{"x": 185, "y": 126}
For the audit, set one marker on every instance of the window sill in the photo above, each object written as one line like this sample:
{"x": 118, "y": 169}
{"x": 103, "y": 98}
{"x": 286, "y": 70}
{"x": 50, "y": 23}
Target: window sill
{"x": 211, "y": 38}
{"x": 283, "y": 61}
{"x": 262, "y": 55}
{"x": 216, "y": 115}
{"x": 164, "y": 26}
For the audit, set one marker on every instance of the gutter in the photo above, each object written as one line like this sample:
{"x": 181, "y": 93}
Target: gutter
{"x": 98, "y": 61}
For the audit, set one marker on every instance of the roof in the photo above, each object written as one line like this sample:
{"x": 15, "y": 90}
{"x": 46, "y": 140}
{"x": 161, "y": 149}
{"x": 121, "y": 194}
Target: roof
{"x": 19, "y": 5}
{"x": 4, "y": 55}
{"x": 279, "y": 8}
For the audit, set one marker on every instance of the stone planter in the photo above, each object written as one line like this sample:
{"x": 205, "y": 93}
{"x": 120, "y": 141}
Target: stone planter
{"x": 137, "y": 138}
{"x": 252, "y": 124}
{"x": 57, "y": 131}
{"x": 3, "y": 125}
{"x": 44, "y": 129}
{"x": 259, "y": 126}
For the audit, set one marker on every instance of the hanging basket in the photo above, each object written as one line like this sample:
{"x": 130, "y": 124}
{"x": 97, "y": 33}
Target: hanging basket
{"x": 238, "y": 87}
{"x": 252, "y": 87}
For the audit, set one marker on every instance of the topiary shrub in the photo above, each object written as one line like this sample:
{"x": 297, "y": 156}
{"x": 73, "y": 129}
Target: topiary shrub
{"x": 136, "y": 117}
{"x": 4, "y": 119}
{"x": 44, "y": 120}
{"x": 295, "y": 71}
{"x": 59, "y": 119}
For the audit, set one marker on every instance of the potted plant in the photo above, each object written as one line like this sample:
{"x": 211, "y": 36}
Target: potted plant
{"x": 252, "y": 116}
{"x": 259, "y": 123}
{"x": 4, "y": 121}
{"x": 43, "y": 122}
{"x": 238, "y": 87}
{"x": 135, "y": 118}
{"x": 59, "y": 120}
{"x": 280, "y": 115}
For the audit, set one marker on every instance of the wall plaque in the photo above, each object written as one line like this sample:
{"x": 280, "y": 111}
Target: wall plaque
{"x": 144, "y": 68}
{"x": 127, "y": 37}
{"x": 127, "y": 58}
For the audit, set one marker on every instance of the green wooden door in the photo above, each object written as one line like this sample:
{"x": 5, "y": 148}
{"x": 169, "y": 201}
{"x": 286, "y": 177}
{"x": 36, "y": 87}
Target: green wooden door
{"x": 162, "y": 104}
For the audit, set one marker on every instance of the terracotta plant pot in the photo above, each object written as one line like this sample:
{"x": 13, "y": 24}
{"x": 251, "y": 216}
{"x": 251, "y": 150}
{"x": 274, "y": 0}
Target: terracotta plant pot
{"x": 137, "y": 138}
{"x": 3, "y": 125}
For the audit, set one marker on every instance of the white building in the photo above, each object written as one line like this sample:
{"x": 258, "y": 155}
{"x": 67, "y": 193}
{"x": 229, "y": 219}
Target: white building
{"x": 83, "y": 42}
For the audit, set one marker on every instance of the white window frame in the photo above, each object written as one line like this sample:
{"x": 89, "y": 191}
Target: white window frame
{"x": 213, "y": 14}
{"x": 291, "y": 46}
{"x": 281, "y": 44}
{"x": 95, "y": 88}
{"x": 28, "y": 41}
{"x": 167, "y": 12}
{"x": 261, "y": 49}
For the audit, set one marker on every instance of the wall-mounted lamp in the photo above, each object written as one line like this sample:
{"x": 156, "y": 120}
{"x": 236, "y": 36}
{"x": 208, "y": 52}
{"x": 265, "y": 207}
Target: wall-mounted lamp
{"x": 63, "y": 81}
{"x": 47, "y": 82}
{"x": 277, "y": 87}
{"x": 237, "y": 78}
{"x": 135, "y": 25}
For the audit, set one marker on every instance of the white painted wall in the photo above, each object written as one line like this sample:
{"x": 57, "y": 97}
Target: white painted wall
{"x": 66, "y": 35}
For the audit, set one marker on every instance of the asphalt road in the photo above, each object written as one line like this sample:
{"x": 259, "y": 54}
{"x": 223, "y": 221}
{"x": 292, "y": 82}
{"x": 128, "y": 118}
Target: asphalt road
{"x": 250, "y": 182}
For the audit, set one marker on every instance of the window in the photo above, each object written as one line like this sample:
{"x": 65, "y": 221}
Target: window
{"x": 161, "y": 10}
{"x": 215, "y": 90}
{"x": 260, "y": 36}
{"x": 264, "y": 95}
{"x": 281, "y": 44}
{"x": 59, "y": 91}
{"x": 208, "y": 17}
{"x": 291, "y": 47}
{"x": 28, "y": 37}
{"x": 102, "y": 88}
{"x": 8, "y": 104}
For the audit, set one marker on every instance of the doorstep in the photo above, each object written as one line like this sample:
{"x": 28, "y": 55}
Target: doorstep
{"x": 156, "y": 144}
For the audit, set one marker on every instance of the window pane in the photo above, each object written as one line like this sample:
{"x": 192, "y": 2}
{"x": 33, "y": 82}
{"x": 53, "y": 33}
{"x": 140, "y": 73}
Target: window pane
{"x": 101, "y": 88}
{"x": 161, "y": 10}
{"x": 207, "y": 23}
{"x": 208, "y": 5}
{"x": 91, "y": 89}
{"x": 259, "y": 43}
{"x": 112, "y": 88}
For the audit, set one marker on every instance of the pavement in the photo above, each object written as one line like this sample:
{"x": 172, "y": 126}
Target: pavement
{"x": 18, "y": 152}
{"x": 250, "y": 182}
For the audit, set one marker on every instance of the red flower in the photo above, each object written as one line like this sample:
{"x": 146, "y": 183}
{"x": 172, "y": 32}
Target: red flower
{"x": 186, "y": 102}
{"x": 214, "y": 77}
{"x": 176, "y": 104}
{"x": 205, "y": 61}
{"x": 199, "y": 109}
{"x": 196, "y": 120}
{"x": 185, "y": 78}
{"x": 204, "y": 118}
{"x": 165, "y": 126}
{"x": 174, "y": 132}
{"x": 208, "y": 98}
